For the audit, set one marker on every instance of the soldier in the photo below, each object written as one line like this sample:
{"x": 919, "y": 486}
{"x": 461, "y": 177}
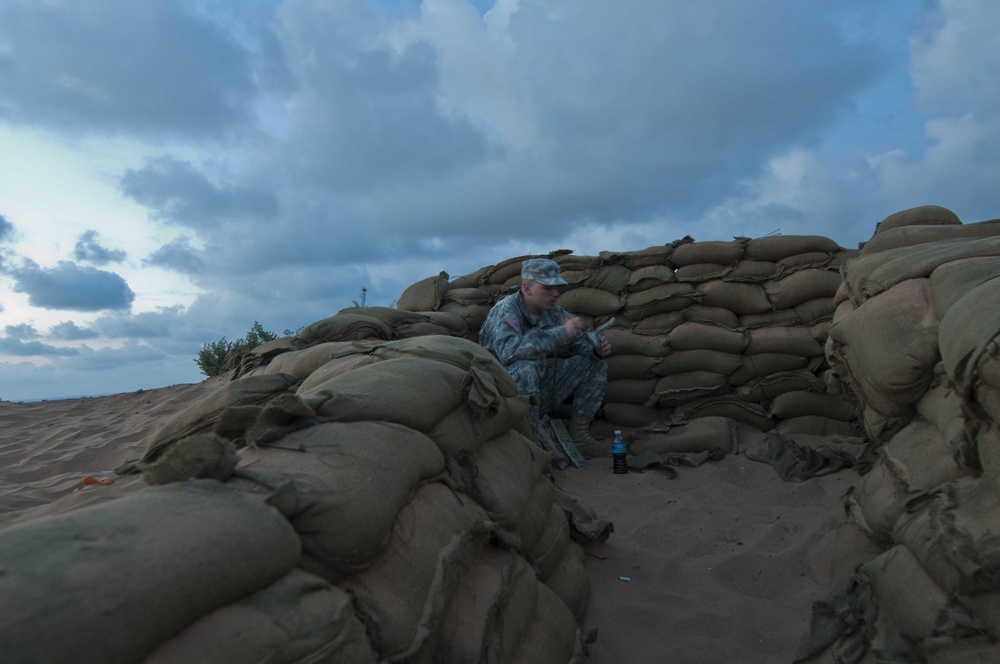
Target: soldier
{"x": 526, "y": 327}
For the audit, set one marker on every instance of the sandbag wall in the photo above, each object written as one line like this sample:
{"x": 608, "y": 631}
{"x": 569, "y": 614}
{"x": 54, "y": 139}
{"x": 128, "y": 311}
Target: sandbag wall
{"x": 914, "y": 344}
{"x": 385, "y": 506}
{"x": 733, "y": 329}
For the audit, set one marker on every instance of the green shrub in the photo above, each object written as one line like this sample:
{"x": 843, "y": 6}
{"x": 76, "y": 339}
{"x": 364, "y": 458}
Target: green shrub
{"x": 218, "y": 356}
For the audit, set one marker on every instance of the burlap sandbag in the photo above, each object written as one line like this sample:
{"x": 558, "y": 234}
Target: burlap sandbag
{"x": 160, "y": 558}
{"x": 806, "y": 260}
{"x": 490, "y": 610}
{"x": 682, "y": 387}
{"x": 890, "y": 346}
{"x": 711, "y": 251}
{"x": 473, "y": 315}
{"x": 699, "y": 272}
{"x": 471, "y": 280}
{"x": 403, "y": 596}
{"x": 571, "y": 261}
{"x": 886, "y": 269}
{"x": 334, "y": 368}
{"x": 299, "y": 618}
{"x": 949, "y": 413}
{"x": 464, "y": 429}
{"x": 271, "y": 349}
{"x": 910, "y": 604}
{"x": 921, "y": 457}
{"x": 341, "y": 486}
{"x": 630, "y": 390}
{"x": 716, "y": 361}
{"x": 552, "y": 634}
{"x": 303, "y": 363}
{"x": 777, "y": 247}
{"x": 631, "y": 415}
{"x": 534, "y": 518}
{"x": 908, "y": 236}
{"x": 793, "y": 340}
{"x": 766, "y": 364}
{"x": 924, "y": 215}
{"x": 625, "y": 342}
{"x": 802, "y": 286}
{"x": 816, "y": 425}
{"x": 611, "y": 278}
{"x": 726, "y": 406}
{"x": 658, "y": 300}
{"x": 411, "y": 391}
{"x": 427, "y": 328}
{"x": 502, "y": 476}
{"x": 345, "y": 327}
{"x": 590, "y": 301}
{"x": 549, "y": 549}
{"x": 392, "y": 317}
{"x": 698, "y": 336}
{"x": 770, "y": 386}
{"x": 770, "y": 319}
{"x": 659, "y": 323}
{"x": 814, "y": 311}
{"x": 648, "y": 277}
{"x": 203, "y": 414}
{"x": 632, "y": 366}
{"x": 698, "y": 435}
{"x": 425, "y": 295}
{"x": 968, "y": 338}
{"x": 877, "y": 502}
{"x": 741, "y": 298}
{"x": 953, "y": 281}
{"x": 803, "y": 402}
{"x": 754, "y": 271}
{"x": 507, "y": 269}
{"x": 954, "y": 536}
{"x": 700, "y": 313}
{"x": 655, "y": 255}
{"x": 454, "y": 323}
{"x": 570, "y": 582}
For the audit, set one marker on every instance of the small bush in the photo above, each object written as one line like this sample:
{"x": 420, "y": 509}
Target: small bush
{"x": 217, "y": 357}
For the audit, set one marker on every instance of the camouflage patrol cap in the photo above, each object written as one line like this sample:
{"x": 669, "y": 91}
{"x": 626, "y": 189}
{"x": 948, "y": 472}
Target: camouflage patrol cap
{"x": 543, "y": 270}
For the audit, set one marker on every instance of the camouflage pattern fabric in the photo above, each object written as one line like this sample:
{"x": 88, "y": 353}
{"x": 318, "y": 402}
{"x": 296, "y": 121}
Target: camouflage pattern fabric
{"x": 522, "y": 341}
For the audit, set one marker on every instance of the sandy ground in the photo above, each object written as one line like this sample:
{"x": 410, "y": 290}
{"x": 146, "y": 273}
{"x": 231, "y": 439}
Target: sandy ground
{"x": 720, "y": 564}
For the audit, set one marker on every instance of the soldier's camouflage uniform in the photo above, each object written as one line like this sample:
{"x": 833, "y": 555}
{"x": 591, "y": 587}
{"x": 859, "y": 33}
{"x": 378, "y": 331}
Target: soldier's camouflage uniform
{"x": 523, "y": 342}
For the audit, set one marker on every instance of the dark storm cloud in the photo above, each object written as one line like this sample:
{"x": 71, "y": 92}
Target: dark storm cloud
{"x": 89, "y": 249}
{"x": 6, "y": 229}
{"x": 12, "y": 346}
{"x": 177, "y": 255}
{"x": 164, "y": 68}
{"x": 145, "y": 325}
{"x": 176, "y": 191}
{"x": 70, "y": 331}
{"x": 71, "y": 287}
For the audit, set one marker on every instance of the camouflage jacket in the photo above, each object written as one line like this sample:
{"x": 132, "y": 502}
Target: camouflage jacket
{"x": 513, "y": 333}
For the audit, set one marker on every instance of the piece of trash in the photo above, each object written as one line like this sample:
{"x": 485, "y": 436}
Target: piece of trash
{"x": 625, "y": 578}
{"x": 90, "y": 479}
{"x": 669, "y": 501}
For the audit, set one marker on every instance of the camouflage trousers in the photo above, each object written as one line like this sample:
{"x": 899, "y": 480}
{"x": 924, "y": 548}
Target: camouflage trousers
{"x": 582, "y": 377}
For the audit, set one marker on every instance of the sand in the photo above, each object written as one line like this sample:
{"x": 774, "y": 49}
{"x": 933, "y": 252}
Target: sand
{"x": 720, "y": 564}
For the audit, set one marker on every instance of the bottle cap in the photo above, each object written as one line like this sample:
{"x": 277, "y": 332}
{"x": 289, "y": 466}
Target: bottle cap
{"x": 617, "y": 432}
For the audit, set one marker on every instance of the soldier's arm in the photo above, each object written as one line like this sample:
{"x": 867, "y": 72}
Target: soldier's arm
{"x": 511, "y": 344}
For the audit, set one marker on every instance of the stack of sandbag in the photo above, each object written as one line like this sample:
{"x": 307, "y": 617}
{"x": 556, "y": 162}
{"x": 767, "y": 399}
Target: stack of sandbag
{"x": 733, "y": 329}
{"x": 386, "y": 507}
{"x": 914, "y": 345}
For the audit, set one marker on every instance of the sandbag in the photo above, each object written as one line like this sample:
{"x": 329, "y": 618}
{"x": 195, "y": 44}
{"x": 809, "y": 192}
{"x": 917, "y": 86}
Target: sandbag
{"x": 770, "y": 386}
{"x": 549, "y": 549}
{"x": 921, "y": 458}
{"x": 716, "y": 361}
{"x": 924, "y": 215}
{"x": 699, "y": 272}
{"x": 570, "y": 582}
{"x": 471, "y": 280}
{"x": 700, "y": 313}
{"x": 948, "y": 412}
{"x": 162, "y": 557}
{"x": 698, "y": 336}
{"x": 776, "y": 247}
{"x": 698, "y": 435}
{"x": 890, "y": 346}
{"x": 816, "y": 425}
{"x": 803, "y": 402}
{"x": 403, "y": 596}
{"x": 464, "y": 429}
{"x": 552, "y": 634}
{"x": 754, "y": 271}
{"x": 739, "y": 297}
{"x": 490, "y": 610}
{"x": 659, "y": 323}
{"x": 631, "y": 415}
{"x": 630, "y": 390}
{"x": 299, "y": 618}
{"x": 766, "y": 364}
{"x": 203, "y": 414}
{"x": 726, "y": 406}
{"x": 681, "y": 387}
{"x": 793, "y": 340}
{"x": 473, "y": 315}
{"x": 333, "y": 368}
{"x": 648, "y": 277}
{"x": 658, "y": 255}
{"x": 877, "y": 502}
{"x": 907, "y": 236}
{"x": 611, "y": 278}
{"x": 625, "y": 342}
{"x": 968, "y": 338}
{"x": 321, "y": 479}
{"x": 424, "y": 295}
{"x": 802, "y": 286}
{"x": 711, "y": 251}
{"x": 590, "y": 301}
{"x": 345, "y": 327}
{"x": 952, "y": 281}
{"x": 302, "y": 363}
{"x": 632, "y": 366}
{"x": 661, "y": 299}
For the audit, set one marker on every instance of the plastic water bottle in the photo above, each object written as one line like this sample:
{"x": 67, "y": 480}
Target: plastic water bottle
{"x": 618, "y": 450}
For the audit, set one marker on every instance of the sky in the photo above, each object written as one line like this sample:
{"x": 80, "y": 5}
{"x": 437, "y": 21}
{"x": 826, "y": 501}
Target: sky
{"x": 172, "y": 171}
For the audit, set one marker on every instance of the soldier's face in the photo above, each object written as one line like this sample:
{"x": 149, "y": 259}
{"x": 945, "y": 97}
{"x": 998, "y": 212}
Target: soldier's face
{"x": 539, "y": 297}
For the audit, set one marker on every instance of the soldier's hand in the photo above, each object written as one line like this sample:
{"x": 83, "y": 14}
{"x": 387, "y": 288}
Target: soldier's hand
{"x": 574, "y": 326}
{"x": 605, "y": 348}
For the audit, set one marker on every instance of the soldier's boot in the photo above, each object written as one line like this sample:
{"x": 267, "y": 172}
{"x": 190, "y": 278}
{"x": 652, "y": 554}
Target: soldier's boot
{"x": 579, "y": 432}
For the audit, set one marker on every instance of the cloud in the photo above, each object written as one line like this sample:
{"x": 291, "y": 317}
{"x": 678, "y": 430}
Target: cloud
{"x": 178, "y": 192}
{"x": 6, "y": 229}
{"x": 177, "y": 255}
{"x": 89, "y": 249}
{"x": 24, "y": 331}
{"x": 70, "y": 331}
{"x": 111, "y": 66}
{"x": 12, "y": 346}
{"x": 145, "y": 325}
{"x": 71, "y": 287}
